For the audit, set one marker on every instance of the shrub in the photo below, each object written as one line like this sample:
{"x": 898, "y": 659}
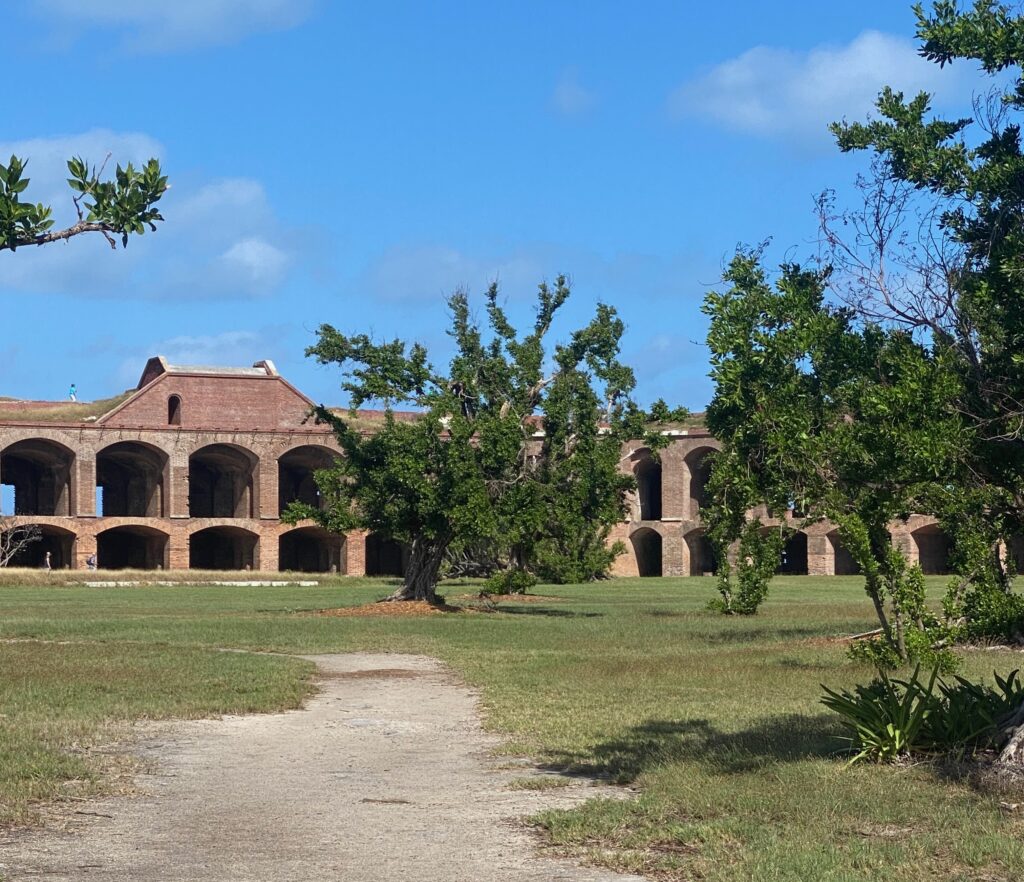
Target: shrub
{"x": 885, "y": 717}
{"x": 510, "y": 581}
{"x": 993, "y": 615}
{"x": 890, "y": 718}
{"x": 925, "y": 646}
{"x": 757, "y": 559}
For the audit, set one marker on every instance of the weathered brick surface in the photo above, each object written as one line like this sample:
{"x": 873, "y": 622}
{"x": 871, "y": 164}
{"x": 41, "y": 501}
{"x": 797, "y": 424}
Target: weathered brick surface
{"x": 261, "y": 415}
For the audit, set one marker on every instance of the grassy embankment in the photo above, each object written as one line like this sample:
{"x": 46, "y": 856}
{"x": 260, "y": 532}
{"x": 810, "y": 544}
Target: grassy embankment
{"x": 714, "y": 720}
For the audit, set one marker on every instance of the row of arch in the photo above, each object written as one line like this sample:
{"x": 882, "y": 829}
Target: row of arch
{"x": 141, "y": 547}
{"x": 133, "y": 479}
{"x": 650, "y": 485}
{"x": 929, "y": 545}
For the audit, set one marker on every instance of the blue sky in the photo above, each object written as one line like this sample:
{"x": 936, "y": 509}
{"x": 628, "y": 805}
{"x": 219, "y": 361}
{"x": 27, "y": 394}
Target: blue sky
{"x": 352, "y": 163}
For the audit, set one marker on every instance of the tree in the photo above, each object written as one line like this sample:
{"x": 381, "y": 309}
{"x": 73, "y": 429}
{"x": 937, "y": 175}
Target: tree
{"x": 503, "y": 444}
{"x": 960, "y": 287}
{"x": 845, "y": 422}
{"x": 930, "y": 269}
{"x": 115, "y": 208}
{"x": 15, "y": 537}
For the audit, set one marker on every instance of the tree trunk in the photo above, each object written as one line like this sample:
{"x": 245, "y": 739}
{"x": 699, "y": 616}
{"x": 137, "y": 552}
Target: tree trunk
{"x": 421, "y": 575}
{"x": 1013, "y": 751}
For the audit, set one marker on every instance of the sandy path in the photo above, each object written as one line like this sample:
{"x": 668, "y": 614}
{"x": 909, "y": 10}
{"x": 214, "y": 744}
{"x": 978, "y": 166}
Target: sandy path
{"x": 383, "y": 776}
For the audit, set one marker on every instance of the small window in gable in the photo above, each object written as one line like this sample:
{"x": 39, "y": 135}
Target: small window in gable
{"x": 174, "y": 411}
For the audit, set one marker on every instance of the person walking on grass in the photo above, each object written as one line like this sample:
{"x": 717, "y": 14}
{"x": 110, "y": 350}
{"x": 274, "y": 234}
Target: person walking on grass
{"x": 73, "y": 392}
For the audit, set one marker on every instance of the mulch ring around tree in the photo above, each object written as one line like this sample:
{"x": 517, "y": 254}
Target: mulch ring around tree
{"x": 391, "y": 608}
{"x": 473, "y": 603}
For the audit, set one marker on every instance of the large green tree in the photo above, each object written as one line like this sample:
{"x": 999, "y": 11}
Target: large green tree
{"x": 939, "y": 248}
{"x": 516, "y": 444}
{"x": 930, "y": 268}
{"x": 832, "y": 418}
{"x": 115, "y": 208}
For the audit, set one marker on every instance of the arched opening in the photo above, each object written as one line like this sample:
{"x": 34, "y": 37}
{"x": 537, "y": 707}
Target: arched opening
{"x": 703, "y": 561}
{"x": 174, "y": 410}
{"x": 131, "y": 548}
{"x": 698, "y": 464}
{"x": 385, "y": 557}
{"x": 647, "y": 550}
{"x": 843, "y": 563}
{"x": 794, "y": 556}
{"x": 648, "y": 485}
{"x": 40, "y": 473}
{"x": 933, "y": 548}
{"x": 223, "y": 548}
{"x": 222, "y": 482}
{"x": 296, "y": 481}
{"x": 58, "y": 542}
{"x": 1015, "y": 553}
{"x": 311, "y": 550}
{"x": 131, "y": 477}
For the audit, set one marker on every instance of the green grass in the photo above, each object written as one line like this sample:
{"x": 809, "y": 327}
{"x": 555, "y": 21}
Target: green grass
{"x": 714, "y": 720}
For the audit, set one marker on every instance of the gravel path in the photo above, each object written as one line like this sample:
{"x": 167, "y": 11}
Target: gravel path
{"x": 384, "y": 775}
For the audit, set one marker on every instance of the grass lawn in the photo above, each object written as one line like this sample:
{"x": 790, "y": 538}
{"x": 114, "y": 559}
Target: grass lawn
{"x": 714, "y": 720}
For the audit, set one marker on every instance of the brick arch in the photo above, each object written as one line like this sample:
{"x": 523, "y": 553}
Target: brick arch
{"x": 295, "y": 473}
{"x": 223, "y": 481}
{"x": 647, "y": 470}
{"x": 647, "y": 545}
{"x": 700, "y": 554}
{"x": 56, "y": 539}
{"x": 698, "y": 470}
{"x": 312, "y": 549}
{"x": 224, "y": 547}
{"x": 134, "y": 476}
{"x": 132, "y": 546}
{"x": 42, "y": 471}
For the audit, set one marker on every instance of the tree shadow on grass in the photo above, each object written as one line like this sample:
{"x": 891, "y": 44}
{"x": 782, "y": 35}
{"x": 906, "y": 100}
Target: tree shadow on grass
{"x": 547, "y": 611}
{"x": 780, "y": 634}
{"x": 782, "y": 738}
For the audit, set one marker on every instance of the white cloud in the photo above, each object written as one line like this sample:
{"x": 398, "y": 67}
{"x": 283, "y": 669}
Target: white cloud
{"x": 432, "y": 272}
{"x": 47, "y": 160}
{"x": 429, "y": 273}
{"x": 570, "y": 98}
{"x": 263, "y": 263}
{"x": 221, "y": 239}
{"x": 776, "y": 92}
{"x": 169, "y": 25}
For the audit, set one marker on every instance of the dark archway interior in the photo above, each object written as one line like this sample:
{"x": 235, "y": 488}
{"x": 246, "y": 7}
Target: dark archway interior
{"x": 648, "y": 487}
{"x": 295, "y": 475}
{"x": 933, "y": 548}
{"x": 132, "y": 478}
{"x": 312, "y": 550}
{"x": 221, "y": 483}
{"x": 699, "y": 464}
{"x": 60, "y": 544}
{"x": 843, "y": 563}
{"x": 131, "y": 548}
{"x": 222, "y": 548}
{"x": 385, "y": 557}
{"x": 647, "y": 549}
{"x": 40, "y": 472}
{"x": 794, "y": 556}
{"x": 702, "y": 554}
{"x": 1015, "y": 553}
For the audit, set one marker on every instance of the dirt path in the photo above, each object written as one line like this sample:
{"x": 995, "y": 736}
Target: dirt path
{"x": 383, "y": 776}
